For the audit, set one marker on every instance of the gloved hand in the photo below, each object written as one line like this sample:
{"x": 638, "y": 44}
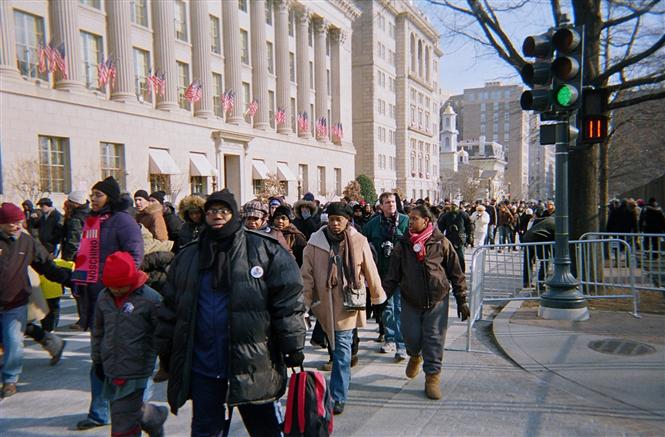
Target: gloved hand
{"x": 294, "y": 359}
{"x": 99, "y": 371}
{"x": 463, "y": 311}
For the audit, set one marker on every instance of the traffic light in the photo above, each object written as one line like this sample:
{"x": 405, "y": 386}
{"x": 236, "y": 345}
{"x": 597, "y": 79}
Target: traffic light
{"x": 592, "y": 121}
{"x": 567, "y": 68}
{"x": 537, "y": 74}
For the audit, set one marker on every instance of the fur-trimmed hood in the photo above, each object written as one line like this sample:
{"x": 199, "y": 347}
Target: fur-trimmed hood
{"x": 190, "y": 202}
{"x": 310, "y": 204}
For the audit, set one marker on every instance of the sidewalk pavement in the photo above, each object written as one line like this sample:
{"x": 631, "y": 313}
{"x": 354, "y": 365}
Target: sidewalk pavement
{"x": 484, "y": 393}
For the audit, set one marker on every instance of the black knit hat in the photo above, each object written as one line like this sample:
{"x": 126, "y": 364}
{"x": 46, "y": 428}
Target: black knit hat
{"x": 283, "y": 210}
{"x": 142, "y": 194}
{"x": 226, "y": 197}
{"x": 158, "y": 196}
{"x": 110, "y": 187}
{"x": 339, "y": 208}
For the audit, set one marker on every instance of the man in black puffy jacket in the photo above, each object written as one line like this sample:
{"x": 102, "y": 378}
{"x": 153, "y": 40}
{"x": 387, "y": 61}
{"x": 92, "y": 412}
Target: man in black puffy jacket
{"x": 231, "y": 323}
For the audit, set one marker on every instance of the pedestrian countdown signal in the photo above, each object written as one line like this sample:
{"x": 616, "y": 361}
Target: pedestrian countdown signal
{"x": 594, "y": 129}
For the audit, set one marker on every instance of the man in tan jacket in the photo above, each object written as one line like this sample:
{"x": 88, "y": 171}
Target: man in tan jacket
{"x": 337, "y": 262}
{"x": 150, "y": 215}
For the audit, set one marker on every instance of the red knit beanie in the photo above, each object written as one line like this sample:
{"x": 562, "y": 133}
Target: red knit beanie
{"x": 120, "y": 271}
{"x": 10, "y": 213}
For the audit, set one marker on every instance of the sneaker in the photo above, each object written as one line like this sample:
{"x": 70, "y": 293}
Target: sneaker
{"x": 326, "y": 367}
{"x": 88, "y": 424}
{"x": 338, "y": 408}
{"x": 387, "y": 348}
{"x": 400, "y": 355}
{"x": 8, "y": 389}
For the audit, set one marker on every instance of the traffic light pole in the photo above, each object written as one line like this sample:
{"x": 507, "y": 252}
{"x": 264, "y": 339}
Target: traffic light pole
{"x": 563, "y": 299}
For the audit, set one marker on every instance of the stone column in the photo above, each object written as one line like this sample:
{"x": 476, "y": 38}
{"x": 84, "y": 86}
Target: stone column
{"x": 201, "y": 56}
{"x": 336, "y": 40}
{"x": 163, "y": 20}
{"x": 320, "y": 79}
{"x": 232, "y": 64}
{"x": 259, "y": 63}
{"x": 282, "y": 58}
{"x": 65, "y": 29}
{"x": 120, "y": 47}
{"x": 302, "y": 61}
{"x": 7, "y": 42}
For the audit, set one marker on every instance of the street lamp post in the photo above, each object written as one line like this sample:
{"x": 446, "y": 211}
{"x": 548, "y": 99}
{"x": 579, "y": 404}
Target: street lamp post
{"x": 563, "y": 299}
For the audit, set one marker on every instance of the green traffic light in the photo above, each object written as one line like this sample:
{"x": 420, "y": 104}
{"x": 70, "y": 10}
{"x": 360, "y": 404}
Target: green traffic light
{"x": 566, "y": 96}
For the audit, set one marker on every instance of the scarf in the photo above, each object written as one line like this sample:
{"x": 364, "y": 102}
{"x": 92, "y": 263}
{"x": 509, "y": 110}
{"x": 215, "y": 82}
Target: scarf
{"x": 341, "y": 256}
{"x": 215, "y": 245}
{"x": 420, "y": 239}
{"x": 390, "y": 225}
{"x": 290, "y": 233}
{"x": 87, "y": 256}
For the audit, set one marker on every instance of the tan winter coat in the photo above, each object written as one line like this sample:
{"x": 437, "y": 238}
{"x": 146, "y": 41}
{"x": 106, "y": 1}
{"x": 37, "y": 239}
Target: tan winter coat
{"x": 327, "y": 304}
{"x": 152, "y": 217}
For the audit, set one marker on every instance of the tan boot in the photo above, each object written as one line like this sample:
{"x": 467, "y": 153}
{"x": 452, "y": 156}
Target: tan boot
{"x": 413, "y": 368}
{"x": 433, "y": 385}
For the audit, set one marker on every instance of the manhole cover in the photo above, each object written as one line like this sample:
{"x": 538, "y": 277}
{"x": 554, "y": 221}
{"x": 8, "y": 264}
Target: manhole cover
{"x": 621, "y": 347}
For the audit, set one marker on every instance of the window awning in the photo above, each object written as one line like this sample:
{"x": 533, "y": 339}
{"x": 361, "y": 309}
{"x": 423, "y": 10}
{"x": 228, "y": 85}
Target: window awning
{"x": 161, "y": 162}
{"x": 200, "y": 166}
{"x": 284, "y": 172}
{"x": 259, "y": 169}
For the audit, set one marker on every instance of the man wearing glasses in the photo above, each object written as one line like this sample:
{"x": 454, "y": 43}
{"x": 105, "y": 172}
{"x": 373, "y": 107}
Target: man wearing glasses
{"x": 231, "y": 323}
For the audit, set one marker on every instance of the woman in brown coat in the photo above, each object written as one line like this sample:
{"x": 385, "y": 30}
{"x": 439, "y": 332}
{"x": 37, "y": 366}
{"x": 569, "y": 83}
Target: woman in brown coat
{"x": 150, "y": 215}
{"x": 337, "y": 262}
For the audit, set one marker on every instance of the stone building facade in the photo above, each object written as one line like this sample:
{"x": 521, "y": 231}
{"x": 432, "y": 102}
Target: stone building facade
{"x": 395, "y": 98}
{"x": 293, "y": 56}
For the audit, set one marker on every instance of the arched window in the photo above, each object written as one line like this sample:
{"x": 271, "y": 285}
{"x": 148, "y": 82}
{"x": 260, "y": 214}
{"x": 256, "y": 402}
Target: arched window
{"x": 413, "y": 53}
{"x": 427, "y": 60}
{"x": 446, "y": 143}
{"x": 420, "y": 58}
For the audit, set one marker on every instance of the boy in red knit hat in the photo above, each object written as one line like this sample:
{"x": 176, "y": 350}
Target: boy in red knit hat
{"x": 123, "y": 354}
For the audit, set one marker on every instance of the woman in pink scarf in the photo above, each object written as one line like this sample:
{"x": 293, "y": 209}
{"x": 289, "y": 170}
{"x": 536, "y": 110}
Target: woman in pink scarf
{"x": 423, "y": 265}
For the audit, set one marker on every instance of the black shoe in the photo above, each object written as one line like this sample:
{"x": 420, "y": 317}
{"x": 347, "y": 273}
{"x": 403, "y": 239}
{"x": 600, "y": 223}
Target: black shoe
{"x": 380, "y": 339}
{"x": 318, "y": 345}
{"x": 354, "y": 360}
{"x": 338, "y": 408}
{"x": 88, "y": 424}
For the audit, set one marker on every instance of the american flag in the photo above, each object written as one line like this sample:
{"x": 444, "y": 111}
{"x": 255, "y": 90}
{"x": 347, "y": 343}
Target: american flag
{"x": 158, "y": 83}
{"x": 322, "y": 127}
{"x": 228, "y": 100}
{"x": 52, "y": 59}
{"x": 194, "y": 91}
{"x": 303, "y": 122}
{"x": 106, "y": 73}
{"x": 280, "y": 116}
{"x": 337, "y": 131}
{"x": 59, "y": 58}
{"x": 252, "y": 108}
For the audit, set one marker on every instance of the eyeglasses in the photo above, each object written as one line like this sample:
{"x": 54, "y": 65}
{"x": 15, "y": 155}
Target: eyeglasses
{"x": 219, "y": 211}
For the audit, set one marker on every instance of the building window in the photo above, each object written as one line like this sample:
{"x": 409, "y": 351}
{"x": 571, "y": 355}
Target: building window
{"x": 293, "y": 114}
{"x": 160, "y": 182}
{"x": 139, "y": 11}
{"x": 215, "y": 41}
{"x": 321, "y": 183}
{"x": 271, "y": 108}
{"x": 54, "y": 164}
{"x": 257, "y": 186}
{"x": 328, "y": 81}
{"x": 93, "y": 52}
{"x": 217, "y": 92}
{"x": 292, "y": 67}
{"x": 141, "y": 72}
{"x": 291, "y": 22}
{"x": 303, "y": 177}
{"x": 29, "y": 38}
{"x": 113, "y": 161}
{"x": 244, "y": 47}
{"x": 181, "y": 20}
{"x": 269, "y": 12}
{"x": 242, "y": 5}
{"x": 271, "y": 62}
{"x": 198, "y": 184}
{"x": 183, "y": 83}
{"x": 311, "y": 75}
{"x": 310, "y": 34}
{"x": 247, "y": 99}
{"x": 97, "y": 4}
{"x": 312, "y": 122}
{"x": 338, "y": 181}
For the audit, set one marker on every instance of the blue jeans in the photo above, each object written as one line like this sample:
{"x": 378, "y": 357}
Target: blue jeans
{"x": 504, "y": 234}
{"x": 13, "y": 323}
{"x": 341, "y": 370}
{"x": 392, "y": 322}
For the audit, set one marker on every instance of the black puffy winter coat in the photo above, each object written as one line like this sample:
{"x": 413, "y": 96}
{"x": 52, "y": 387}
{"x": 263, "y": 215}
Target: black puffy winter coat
{"x": 265, "y": 319}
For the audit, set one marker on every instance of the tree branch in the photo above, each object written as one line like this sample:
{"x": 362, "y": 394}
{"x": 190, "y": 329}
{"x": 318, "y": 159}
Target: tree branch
{"x": 556, "y": 11}
{"x": 636, "y": 82}
{"x": 631, "y": 60}
{"x": 635, "y": 100}
{"x": 638, "y": 13}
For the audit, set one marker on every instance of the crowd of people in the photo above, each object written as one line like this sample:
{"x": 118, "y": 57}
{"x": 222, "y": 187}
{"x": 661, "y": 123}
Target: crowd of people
{"x": 216, "y": 297}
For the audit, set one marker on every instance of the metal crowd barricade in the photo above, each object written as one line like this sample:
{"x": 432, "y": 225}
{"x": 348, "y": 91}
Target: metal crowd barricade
{"x": 648, "y": 251}
{"x": 506, "y": 272}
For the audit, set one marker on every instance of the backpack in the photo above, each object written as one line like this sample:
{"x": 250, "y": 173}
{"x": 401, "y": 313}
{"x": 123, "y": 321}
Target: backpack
{"x": 309, "y": 406}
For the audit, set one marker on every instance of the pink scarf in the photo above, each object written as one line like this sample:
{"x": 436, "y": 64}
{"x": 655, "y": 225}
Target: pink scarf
{"x": 87, "y": 257}
{"x": 420, "y": 239}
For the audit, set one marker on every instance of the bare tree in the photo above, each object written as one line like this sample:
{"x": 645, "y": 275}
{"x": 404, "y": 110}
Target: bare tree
{"x": 465, "y": 182}
{"x": 272, "y": 187}
{"x": 24, "y": 180}
{"x": 623, "y": 52}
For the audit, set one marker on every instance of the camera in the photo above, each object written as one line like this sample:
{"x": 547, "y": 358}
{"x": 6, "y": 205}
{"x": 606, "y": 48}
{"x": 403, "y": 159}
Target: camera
{"x": 387, "y": 247}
